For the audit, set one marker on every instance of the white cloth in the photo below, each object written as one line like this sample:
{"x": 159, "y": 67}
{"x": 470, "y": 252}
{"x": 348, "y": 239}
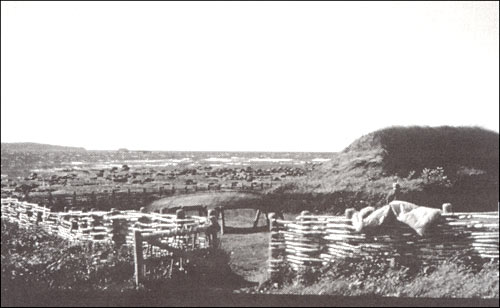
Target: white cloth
{"x": 419, "y": 218}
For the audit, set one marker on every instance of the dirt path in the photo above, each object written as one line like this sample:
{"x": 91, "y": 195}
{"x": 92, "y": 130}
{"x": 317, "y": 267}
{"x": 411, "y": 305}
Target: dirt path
{"x": 248, "y": 254}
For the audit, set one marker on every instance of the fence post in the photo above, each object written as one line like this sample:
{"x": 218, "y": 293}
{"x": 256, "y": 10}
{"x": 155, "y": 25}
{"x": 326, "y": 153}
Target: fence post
{"x": 273, "y": 249}
{"x": 180, "y": 214}
{"x": 212, "y": 234}
{"x": 447, "y": 208}
{"x": 256, "y": 220}
{"x": 223, "y": 224}
{"x": 138, "y": 257}
{"x": 349, "y": 213}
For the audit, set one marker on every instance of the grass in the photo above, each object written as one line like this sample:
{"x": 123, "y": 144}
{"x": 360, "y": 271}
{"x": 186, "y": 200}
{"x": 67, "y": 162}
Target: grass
{"x": 33, "y": 260}
{"x": 447, "y": 280}
{"x": 419, "y": 158}
{"x": 248, "y": 254}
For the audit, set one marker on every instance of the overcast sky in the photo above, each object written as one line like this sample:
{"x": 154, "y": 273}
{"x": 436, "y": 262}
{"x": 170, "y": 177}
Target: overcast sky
{"x": 243, "y": 76}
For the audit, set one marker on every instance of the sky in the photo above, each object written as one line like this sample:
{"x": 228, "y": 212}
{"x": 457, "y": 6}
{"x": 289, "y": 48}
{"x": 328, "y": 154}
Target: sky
{"x": 243, "y": 76}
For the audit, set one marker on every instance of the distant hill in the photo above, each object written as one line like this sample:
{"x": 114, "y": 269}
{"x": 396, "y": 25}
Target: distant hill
{"x": 432, "y": 164}
{"x": 37, "y": 147}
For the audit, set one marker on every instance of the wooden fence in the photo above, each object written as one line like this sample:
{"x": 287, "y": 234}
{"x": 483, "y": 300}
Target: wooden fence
{"x": 313, "y": 241}
{"x": 154, "y": 236}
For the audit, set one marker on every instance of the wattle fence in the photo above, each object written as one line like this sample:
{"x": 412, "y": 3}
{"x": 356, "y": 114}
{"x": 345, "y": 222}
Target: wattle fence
{"x": 153, "y": 235}
{"x": 315, "y": 241}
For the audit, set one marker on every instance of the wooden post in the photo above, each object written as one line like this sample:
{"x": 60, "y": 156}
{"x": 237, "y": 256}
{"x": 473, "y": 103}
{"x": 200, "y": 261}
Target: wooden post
{"x": 305, "y": 213}
{"x": 273, "y": 249}
{"x": 138, "y": 257}
{"x": 223, "y": 224}
{"x": 180, "y": 214}
{"x": 212, "y": 234}
{"x": 349, "y": 213}
{"x": 447, "y": 208}
{"x": 256, "y": 220}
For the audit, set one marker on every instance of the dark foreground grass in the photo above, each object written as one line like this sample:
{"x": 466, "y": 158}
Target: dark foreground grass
{"x": 37, "y": 262}
{"x": 447, "y": 280}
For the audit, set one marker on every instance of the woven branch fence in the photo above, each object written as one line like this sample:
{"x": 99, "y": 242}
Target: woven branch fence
{"x": 315, "y": 241}
{"x": 159, "y": 240}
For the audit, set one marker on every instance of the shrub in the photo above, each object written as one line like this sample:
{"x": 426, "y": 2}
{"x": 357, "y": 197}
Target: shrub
{"x": 451, "y": 278}
{"x": 34, "y": 260}
{"x": 435, "y": 177}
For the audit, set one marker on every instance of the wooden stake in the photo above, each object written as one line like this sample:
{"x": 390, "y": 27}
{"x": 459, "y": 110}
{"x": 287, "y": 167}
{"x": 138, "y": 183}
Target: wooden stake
{"x": 447, "y": 208}
{"x": 273, "y": 252}
{"x": 223, "y": 224}
{"x": 256, "y": 220}
{"x": 349, "y": 212}
{"x": 138, "y": 257}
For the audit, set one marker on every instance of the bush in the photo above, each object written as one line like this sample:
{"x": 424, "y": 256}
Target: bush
{"x": 435, "y": 177}
{"x": 34, "y": 260}
{"x": 450, "y": 278}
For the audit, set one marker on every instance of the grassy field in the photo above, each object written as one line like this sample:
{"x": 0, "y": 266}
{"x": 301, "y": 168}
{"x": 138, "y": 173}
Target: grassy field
{"x": 447, "y": 280}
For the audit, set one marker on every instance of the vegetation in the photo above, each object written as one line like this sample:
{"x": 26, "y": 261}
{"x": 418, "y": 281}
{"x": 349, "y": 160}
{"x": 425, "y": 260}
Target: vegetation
{"x": 450, "y": 279}
{"x": 33, "y": 260}
{"x": 433, "y": 165}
